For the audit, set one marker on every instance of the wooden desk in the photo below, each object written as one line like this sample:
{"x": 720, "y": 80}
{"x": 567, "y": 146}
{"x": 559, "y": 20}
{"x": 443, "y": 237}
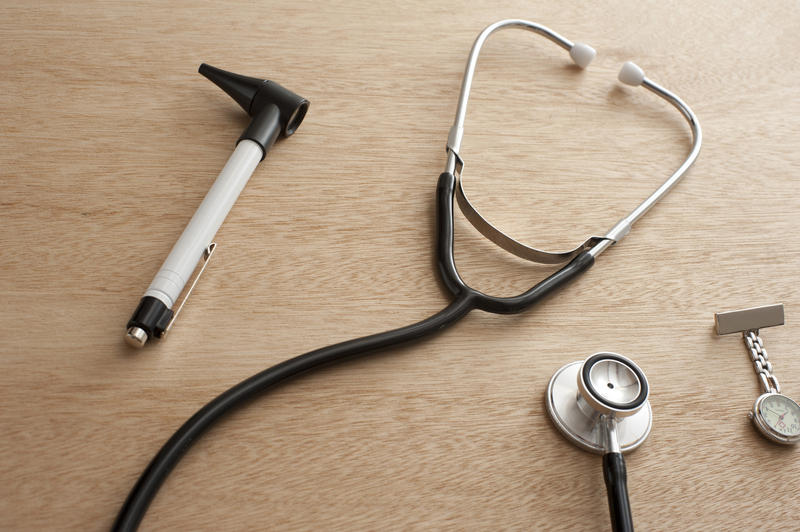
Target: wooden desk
{"x": 110, "y": 139}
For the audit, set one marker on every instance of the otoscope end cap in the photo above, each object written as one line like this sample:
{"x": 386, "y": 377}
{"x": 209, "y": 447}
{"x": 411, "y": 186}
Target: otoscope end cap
{"x": 136, "y": 337}
{"x": 631, "y": 74}
{"x": 582, "y": 54}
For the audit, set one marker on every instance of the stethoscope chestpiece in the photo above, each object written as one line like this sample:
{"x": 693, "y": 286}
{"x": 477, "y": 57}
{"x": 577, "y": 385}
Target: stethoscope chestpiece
{"x": 612, "y": 384}
{"x": 582, "y": 395}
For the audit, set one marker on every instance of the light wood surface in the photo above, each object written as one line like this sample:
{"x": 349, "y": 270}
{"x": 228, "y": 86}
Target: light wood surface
{"x": 110, "y": 139}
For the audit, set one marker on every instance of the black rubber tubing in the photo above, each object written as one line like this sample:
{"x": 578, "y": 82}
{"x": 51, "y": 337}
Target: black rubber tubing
{"x": 466, "y": 299}
{"x": 619, "y": 505}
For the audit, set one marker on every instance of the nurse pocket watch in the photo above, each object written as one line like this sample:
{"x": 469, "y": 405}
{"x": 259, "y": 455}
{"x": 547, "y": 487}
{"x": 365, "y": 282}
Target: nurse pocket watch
{"x": 775, "y": 415}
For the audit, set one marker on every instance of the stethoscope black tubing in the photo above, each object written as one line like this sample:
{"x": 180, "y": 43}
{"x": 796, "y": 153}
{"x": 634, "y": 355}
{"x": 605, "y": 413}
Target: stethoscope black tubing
{"x": 466, "y": 299}
{"x": 616, "y": 479}
{"x": 447, "y": 267}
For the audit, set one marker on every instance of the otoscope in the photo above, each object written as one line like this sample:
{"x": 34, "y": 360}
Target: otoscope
{"x": 275, "y": 111}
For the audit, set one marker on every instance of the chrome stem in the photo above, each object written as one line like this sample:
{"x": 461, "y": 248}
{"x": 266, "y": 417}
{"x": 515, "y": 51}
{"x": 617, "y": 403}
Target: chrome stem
{"x": 609, "y": 424}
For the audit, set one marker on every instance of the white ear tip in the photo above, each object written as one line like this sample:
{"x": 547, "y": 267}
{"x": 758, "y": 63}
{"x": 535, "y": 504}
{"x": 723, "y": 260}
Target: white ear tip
{"x": 631, "y": 74}
{"x": 582, "y": 54}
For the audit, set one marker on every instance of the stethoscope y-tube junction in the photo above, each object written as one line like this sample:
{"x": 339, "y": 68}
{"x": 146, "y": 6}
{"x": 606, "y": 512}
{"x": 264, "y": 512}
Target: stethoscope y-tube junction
{"x": 476, "y": 299}
{"x": 465, "y": 299}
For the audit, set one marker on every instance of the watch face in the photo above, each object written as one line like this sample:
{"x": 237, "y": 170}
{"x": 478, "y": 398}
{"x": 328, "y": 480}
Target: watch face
{"x": 781, "y": 414}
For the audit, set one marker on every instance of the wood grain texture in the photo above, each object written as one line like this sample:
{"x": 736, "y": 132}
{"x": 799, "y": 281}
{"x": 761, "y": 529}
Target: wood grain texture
{"x": 110, "y": 139}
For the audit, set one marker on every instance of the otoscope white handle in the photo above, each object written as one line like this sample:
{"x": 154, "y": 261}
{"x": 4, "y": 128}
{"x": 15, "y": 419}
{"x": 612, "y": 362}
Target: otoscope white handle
{"x": 182, "y": 260}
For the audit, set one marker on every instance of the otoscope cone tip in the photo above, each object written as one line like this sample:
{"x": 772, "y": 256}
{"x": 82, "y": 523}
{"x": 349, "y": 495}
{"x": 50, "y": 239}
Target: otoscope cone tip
{"x": 258, "y": 97}
{"x": 243, "y": 89}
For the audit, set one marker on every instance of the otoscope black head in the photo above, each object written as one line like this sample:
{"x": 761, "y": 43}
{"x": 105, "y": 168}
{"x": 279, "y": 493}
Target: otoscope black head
{"x": 254, "y": 94}
{"x": 275, "y": 109}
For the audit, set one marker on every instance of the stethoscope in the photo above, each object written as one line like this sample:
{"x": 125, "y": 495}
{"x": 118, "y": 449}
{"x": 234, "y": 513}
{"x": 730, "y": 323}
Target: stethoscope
{"x": 601, "y": 405}
{"x": 465, "y": 298}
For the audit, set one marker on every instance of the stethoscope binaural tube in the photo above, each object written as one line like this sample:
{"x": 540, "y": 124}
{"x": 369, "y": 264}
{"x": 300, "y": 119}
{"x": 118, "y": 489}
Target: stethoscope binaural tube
{"x": 465, "y": 299}
{"x": 582, "y": 55}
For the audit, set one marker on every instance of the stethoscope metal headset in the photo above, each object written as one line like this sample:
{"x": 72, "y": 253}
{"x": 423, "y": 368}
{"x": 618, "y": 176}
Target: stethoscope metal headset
{"x": 465, "y": 298}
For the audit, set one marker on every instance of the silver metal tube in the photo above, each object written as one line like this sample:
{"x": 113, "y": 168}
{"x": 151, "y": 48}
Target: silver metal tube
{"x": 623, "y": 227}
{"x": 457, "y": 131}
{"x": 697, "y": 140}
{"x": 596, "y": 244}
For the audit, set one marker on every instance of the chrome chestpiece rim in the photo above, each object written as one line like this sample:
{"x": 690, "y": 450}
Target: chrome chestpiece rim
{"x": 612, "y": 384}
{"x": 582, "y": 393}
